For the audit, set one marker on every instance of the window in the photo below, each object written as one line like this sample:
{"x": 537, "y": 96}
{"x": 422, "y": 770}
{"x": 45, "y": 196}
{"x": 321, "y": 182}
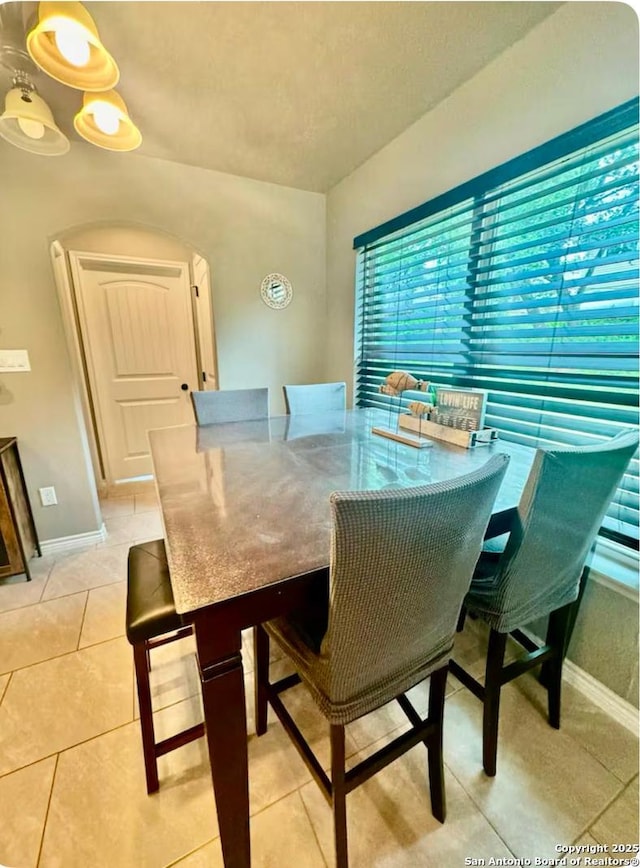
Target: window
{"x": 523, "y": 282}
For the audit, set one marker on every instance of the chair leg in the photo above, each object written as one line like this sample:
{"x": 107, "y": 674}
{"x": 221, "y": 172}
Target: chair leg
{"x": 491, "y": 710}
{"x": 461, "y": 619}
{"x": 146, "y": 716}
{"x": 261, "y": 675}
{"x": 544, "y": 677}
{"x": 339, "y": 795}
{"x": 558, "y": 635}
{"x": 437, "y": 689}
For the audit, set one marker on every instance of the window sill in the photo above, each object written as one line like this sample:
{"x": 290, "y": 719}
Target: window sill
{"x": 616, "y": 567}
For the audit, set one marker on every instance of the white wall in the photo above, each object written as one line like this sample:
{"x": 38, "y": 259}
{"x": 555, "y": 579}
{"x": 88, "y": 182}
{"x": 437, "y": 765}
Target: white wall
{"x": 126, "y": 240}
{"x": 244, "y": 228}
{"x": 576, "y": 64}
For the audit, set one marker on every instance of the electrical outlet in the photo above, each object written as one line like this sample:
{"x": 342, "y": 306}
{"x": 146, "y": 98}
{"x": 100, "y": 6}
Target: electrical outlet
{"x": 48, "y": 496}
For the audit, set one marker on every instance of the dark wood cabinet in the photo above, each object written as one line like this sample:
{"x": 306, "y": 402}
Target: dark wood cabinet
{"x": 18, "y": 538}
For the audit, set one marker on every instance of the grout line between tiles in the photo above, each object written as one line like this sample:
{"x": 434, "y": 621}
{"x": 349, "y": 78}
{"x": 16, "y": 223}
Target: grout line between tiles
{"x": 595, "y": 757}
{"x": 313, "y": 828}
{"x": 65, "y": 749}
{"x": 99, "y": 642}
{"x": 59, "y": 656}
{"x": 53, "y": 656}
{"x": 479, "y": 809}
{"x": 592, "y": 823}
{"x": 84, "y": 613}
{"x": 191, "y": 852}
{"x": 46, "y": 815}
{"x": 48, "y": 576}
{"x": 80, "y": 591}
{"x": 6, "y": 687}
{"x": 32, "y": 605}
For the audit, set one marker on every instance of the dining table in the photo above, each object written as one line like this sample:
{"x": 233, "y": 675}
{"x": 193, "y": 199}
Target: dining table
{"x": 245, "y": 508}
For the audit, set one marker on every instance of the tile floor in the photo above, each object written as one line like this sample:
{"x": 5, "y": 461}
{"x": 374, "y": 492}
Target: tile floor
{"x": 71, "y": 774}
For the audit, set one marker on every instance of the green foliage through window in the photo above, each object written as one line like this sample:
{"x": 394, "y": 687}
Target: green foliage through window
{"x": 523, "y": 282}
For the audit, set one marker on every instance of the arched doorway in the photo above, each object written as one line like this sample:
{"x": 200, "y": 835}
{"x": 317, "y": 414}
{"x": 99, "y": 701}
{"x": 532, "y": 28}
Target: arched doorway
{"x": 137, "y": 310}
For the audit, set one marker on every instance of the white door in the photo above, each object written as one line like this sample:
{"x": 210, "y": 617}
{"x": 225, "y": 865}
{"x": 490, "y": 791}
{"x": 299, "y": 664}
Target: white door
{"x": 137, "y": 325}
{"x": 206, "y": 330}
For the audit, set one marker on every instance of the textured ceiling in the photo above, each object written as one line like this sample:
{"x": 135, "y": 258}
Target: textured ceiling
{"x": 293, "y": 93}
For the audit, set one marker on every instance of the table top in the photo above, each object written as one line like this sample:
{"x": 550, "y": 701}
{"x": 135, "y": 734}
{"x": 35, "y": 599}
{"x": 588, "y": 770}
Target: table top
{"x": 246, "y": 504}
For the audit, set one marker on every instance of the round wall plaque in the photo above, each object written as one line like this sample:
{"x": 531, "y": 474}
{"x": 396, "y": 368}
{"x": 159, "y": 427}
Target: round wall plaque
{"x": 276, "y": 291}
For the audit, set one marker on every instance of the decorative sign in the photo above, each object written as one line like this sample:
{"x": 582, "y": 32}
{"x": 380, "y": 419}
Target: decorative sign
{"x": 14, "y": 361}
{"x": 461, "y": 409}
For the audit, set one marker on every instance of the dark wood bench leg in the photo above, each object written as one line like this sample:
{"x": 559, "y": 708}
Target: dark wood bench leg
{"x": 437, "y": 690}
{"x": 261, "y": 676}
{"x": 146, "y": 716}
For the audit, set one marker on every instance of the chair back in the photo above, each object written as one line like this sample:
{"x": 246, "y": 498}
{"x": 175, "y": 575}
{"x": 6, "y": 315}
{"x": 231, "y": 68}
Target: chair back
{"x": 401, "y": 564}
{"x": 315, "y": 398}
{"x": 230, "y": 405}
{"x": 560, "y": 512}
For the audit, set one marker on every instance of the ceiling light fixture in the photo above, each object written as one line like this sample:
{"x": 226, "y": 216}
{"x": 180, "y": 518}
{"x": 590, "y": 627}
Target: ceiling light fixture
{"x": 27, "y": 121}
{"x": 104, "y": 121}
{"x": 65, "y": 44}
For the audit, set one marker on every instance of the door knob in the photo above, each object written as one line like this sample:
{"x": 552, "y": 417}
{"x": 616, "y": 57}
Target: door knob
{"x": 185, "y": 387}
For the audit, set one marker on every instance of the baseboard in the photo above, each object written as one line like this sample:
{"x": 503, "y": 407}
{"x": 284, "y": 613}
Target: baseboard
{"x": 622, "y": 711}
{"x": 71, "y": 543}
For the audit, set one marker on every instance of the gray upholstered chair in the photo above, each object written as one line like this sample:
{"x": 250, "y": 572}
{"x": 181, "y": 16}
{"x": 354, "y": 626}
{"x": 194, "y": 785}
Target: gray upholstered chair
{"x": 401, "y": 563}
{"x": 230, "y": 405}
{"x": 315, "y": 398}
{"x": 537, "y": 575}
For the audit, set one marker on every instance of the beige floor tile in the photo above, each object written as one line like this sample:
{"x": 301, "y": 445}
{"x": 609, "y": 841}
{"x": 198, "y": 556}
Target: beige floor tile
{"x": 54, "y": 705}
{"x": 4, "y": 680}
{"x": 139, "y": 527}
{"x": 105, "y": 614}
{"x": 391, "y": 718}
{"x": 17, "y": 591}
{"x": 281, "y": 837}
{"x": 614, "y": 745}
{"x": 247, "y": 651}
{"x": 205, "y": 857}
{"x": 174, "y": 674}
{"x": 24, "y": 797}
{"x": 390, "y": 821}
{"x": 114, "y": 507}
{"x": 146, "y": 502}
{"x": 88, "y": 569}
{"x": 619, "y": 823}
{"x": 275, "y": 768}
{"x": 547, "y": 788}
{"x": 36, "y": 633}
{"x": 101, "y": 815}
{"x": 275, "y": 652}
{"x": 305, "y": 713}
{"x": 586, "y": 840}
{"x": 470, "y": 648}
{"x": 40, "y": 567}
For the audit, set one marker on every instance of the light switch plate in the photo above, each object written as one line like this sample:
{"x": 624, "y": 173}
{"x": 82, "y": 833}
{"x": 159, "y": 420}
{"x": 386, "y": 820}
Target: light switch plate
{"x": 14, "y": 361}
{"x": 48, "y": 496}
